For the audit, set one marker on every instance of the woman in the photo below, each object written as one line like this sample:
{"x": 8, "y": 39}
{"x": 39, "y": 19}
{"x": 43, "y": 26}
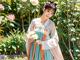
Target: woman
{"x": 45, "y": 49}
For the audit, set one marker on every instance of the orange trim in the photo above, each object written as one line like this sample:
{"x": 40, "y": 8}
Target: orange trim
{"x": 42, "y": 53}
{"x": 44, "y": 38}
{"x": 41, "y": 50}
{"x": 28, "y": 51}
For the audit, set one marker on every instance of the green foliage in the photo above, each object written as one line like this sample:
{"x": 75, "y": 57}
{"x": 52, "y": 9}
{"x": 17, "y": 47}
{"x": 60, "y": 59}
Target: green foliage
{"x": 67, "y": 21}
{"x": 13, "y": 44}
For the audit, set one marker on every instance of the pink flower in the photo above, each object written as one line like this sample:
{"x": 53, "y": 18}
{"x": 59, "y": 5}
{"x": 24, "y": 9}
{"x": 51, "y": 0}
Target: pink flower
{"x": 1, "y": 7}
{"x": 34, "y": 2}
{"x": 11, "y": 17}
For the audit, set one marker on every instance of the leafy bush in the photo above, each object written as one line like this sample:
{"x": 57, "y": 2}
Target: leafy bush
{"x": 67, "y": 21}
{"x": 13, "y": 44}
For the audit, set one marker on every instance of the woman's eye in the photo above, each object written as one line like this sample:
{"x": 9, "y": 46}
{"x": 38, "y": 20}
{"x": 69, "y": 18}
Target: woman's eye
{"x": 48, "y": 11}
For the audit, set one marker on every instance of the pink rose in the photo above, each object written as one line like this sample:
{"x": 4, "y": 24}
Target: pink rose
{"x": 1, "y": 7}
{"x": 11, "y": 17}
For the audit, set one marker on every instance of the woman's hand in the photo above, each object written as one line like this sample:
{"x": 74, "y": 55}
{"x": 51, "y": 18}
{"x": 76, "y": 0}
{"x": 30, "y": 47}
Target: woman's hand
{"x": 30, "y": 40}
{"x": 39, "y": 42}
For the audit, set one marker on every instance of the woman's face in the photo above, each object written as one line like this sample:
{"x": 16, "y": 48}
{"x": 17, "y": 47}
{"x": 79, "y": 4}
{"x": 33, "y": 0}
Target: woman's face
{"x": 48, "y": 13}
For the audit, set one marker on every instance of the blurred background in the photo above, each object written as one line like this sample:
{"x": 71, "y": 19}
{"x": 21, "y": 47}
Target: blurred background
{"x": 16, "y": 15}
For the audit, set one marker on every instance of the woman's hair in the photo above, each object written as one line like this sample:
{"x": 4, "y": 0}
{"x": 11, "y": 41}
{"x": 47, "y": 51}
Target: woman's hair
{"x": 51, "y": 5}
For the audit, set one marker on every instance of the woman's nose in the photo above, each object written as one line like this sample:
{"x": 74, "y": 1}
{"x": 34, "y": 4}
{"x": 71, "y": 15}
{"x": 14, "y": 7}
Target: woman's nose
{"x": 49, "y": 14}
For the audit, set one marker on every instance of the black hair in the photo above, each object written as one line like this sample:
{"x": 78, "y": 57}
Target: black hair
{"x": 51, "y": 5}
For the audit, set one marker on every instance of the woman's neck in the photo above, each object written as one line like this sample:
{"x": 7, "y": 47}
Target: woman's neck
{"x": 43, "y": 19}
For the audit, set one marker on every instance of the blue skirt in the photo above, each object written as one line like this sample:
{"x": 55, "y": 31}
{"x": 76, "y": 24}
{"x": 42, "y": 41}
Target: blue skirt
{"x": 37, "y": 55}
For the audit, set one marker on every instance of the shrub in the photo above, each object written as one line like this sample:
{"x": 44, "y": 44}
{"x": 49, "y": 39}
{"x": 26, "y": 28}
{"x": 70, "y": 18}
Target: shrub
{"x": 13, "y": 44}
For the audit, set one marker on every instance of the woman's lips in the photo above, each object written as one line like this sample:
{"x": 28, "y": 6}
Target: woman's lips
{"x": 47, "y": 16}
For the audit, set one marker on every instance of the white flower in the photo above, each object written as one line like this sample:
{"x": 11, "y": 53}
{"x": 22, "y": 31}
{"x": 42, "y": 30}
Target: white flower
{"x": 58, "y": 22}
{"x": 12, "y": 24}
{"x": 34, "y": 2}
{"x": 73, "y": 39}
{"x": 77, "y": 37}
{"x": 24, "y": 0}
{"x": 71, "y": 24}
{"x": 73, "y": 29}
{"x": 30, "y": 33}
{"x": 77, "y": 50}
{"x": 35, "y": 36}
{"x": 1, "y": 18}
{"x": 75, "y": 21}
{"x": 64, "y": 21}
{"x": 69, "y": 20}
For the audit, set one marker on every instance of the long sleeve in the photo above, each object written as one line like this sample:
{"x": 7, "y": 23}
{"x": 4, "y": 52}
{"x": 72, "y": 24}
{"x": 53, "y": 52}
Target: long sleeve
{"x": 53, "y": 41}
{"x": 31, "y": 26}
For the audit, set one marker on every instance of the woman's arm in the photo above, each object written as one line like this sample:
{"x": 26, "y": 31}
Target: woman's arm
{"x": 29, "y": 40}
{"x": 31, "y": 26}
